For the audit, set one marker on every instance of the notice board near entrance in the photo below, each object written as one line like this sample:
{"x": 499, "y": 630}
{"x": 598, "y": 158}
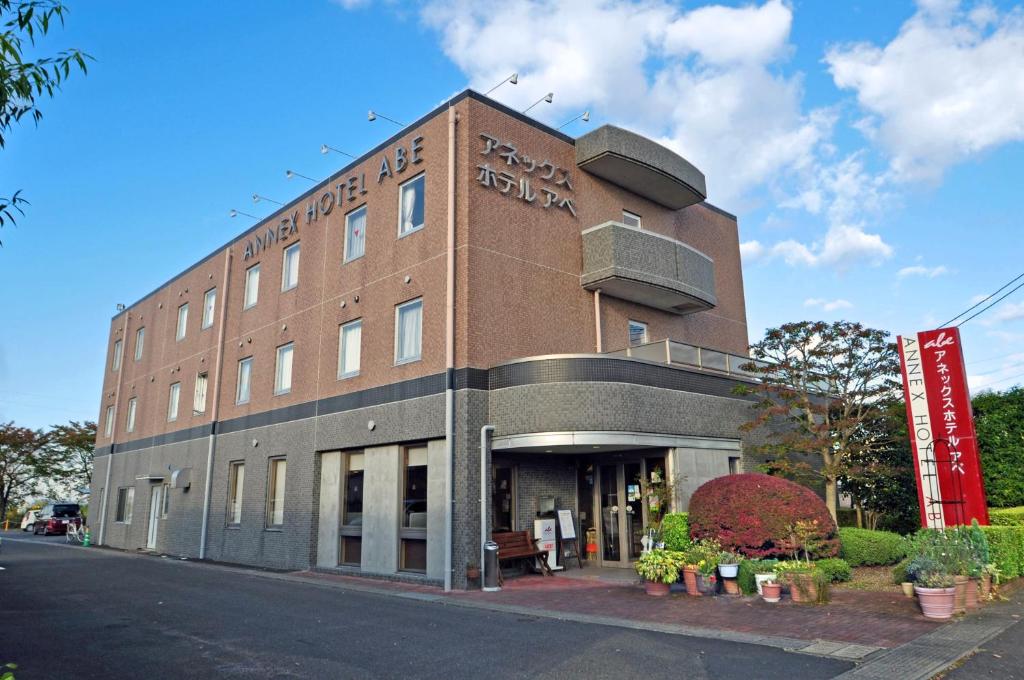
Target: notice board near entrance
{"x": 567, "y": 525}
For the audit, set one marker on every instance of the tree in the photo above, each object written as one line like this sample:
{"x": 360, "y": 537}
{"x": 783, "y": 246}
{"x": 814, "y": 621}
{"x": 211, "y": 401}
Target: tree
{"x": 24, "y": 462}
{"x": 23, "y": 83}
{"x": 71, "y": 450}
{"x": 999, "y": 426}
{"x": 819, "y": 385}
{"x": 880, "y": 478}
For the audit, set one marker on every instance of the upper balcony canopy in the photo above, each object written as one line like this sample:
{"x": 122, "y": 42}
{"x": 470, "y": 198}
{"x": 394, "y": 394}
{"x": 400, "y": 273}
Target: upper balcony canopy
{"x": 641, "y": 166}
{"x": 647, "y": 268}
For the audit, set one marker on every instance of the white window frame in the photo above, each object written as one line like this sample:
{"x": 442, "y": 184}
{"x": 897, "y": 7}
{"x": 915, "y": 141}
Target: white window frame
{"x": 173, "y": 401}
{"x": 398, "y": 331}
{"x": 133, "y": 405}
{"x": 115, "y": 360}
{"x": 279, "y": 386}
{"x": 236, "y": 487}
{"x": 343, "y": 347}
{"x": 165, "y": 502}
{"x": 626, "y": 215}
{"x": 209, "y": 308}
{"x": 251, "y": 273}
{"x": 275, "y": 505}
{"x": 629, "y": 332}
{"x": 347, "y": 255}
{"x": 401, "y": 192}
{"x": 202, "y": 378}
{"x": 286, "y": 268}
{"x": 246, "y": 361}
{"x": 182, "y": 328}
{"x": 108, "y": 424}
{"x": 140, "y": 342}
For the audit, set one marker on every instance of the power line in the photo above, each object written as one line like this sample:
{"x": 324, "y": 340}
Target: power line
{"x": 997, "y": 301}
{"x": 1012, "y": 377}
{"x": 983, "y": 301}
{"x": 1001, "y": 356}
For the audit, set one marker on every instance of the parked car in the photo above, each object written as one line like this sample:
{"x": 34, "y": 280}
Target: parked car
{"x": 28, "y": 522}
{"x": 54, "y": 518}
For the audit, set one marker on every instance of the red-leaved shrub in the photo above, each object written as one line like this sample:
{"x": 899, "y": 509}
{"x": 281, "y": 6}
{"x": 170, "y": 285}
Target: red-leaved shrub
{"x": 755, "y": 515}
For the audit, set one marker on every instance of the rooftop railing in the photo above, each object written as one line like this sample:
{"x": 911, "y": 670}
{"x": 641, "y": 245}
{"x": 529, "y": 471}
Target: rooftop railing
{"x": 681, "y": 354}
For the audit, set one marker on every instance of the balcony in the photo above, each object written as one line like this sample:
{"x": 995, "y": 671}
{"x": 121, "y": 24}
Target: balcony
{"x": 641, "y": 166}
{"x": 691, "y": 356}
{"x": 647, "y": 268}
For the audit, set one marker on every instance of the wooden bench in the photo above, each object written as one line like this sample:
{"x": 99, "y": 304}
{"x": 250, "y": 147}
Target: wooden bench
{"x": 518, "y": 545}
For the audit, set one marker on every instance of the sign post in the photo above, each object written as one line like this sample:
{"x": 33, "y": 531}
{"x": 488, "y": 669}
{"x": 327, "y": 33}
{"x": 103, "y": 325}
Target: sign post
{"x": 950, "y": 489}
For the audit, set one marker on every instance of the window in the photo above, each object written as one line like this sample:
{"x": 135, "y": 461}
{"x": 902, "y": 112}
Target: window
{"x": 410, "y": 207}
{"x": 283, "y": 374}
{"x": 140, "y": 339}
{"x": 252, "y": 285}
{"x": 352, "y": 510}
{"x": 244, "y": 380}
{"x": 165, "y": 496}
{"x": 125, "y": 502}
{"x": 637, "y": 333}
{"x": 182, "y": 322}
{"x": 355, "y": 234}
{"x": 236, "y": 483}
{"x": 349, "y": 342}
{"x": 275, "y": 492}
{"x": 115, "y": 362}
{"x": 408, "y": 331}
{"x": 209, "y": 304}
{"x": 108, "y": 426}
{"x": 172, "y": 402}
{"x": 199, "y": 399}
{"x": 631, "y": 219}
{"x": 130, "y": 426}
{"x": 413, "y": 530}
{"x": 290, "y": 270}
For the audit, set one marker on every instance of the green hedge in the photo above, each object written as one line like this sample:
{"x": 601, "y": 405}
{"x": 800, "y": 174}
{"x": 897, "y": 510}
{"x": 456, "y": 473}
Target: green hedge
{"x": 675, "y": 531}
{"x": 1006, "y": 546}
{"x": 1007, "y": 517}
{"x": 748, "y": 568}
{"x": 837, "y": 570}
{"x": 864, "y": 547}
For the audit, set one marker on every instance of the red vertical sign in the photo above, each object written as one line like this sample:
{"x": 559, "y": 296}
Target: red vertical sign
{"x": 950, "y": 486}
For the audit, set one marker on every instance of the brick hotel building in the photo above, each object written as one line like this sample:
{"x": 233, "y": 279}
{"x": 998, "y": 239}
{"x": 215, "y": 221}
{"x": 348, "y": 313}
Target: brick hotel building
{"x": 315, "y": 393}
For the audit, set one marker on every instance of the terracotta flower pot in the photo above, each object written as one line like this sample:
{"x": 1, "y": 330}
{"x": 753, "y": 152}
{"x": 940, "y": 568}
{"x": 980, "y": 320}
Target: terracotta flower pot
{"x": 771, "y": 592}
{"x": 972, "y": 593}
{"x": 986, "y": 585}
{"x": 690, "y": 579}
{"x": 656, "y": 588}
{"x": 960, "y": 600}
{"x": 732, "y": 586}
{"x": 707, "y": 585}
{"x": 908, "y": 588}
{"x": 936, "y": 603}
{"x": 802, "y": 588}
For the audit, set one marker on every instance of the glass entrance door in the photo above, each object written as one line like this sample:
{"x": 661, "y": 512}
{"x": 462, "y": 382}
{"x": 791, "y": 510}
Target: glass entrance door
{"x": 622, "y": 513}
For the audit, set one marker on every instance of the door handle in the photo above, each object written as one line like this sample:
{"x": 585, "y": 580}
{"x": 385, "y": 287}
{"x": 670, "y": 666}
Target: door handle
{"x": 614, "y": 508}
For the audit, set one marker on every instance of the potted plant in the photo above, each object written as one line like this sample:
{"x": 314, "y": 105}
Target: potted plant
{"x": 771, "y": 590}
{"x": 989, "y": 575}
{"x": 659, "y": 568}
{"x": 764, "y": 570}
{"x": 806, "y": 584}
{"x": 936, "y": 593}
{"x": 703, "y": 556}
{"x": 729, "y": 564}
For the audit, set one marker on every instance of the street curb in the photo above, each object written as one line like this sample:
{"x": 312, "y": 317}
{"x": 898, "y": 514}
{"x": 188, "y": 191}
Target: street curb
{"x": 936, "y": 651}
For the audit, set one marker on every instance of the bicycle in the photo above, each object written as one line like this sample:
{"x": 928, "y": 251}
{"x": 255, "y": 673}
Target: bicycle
{"x": 75, "y": 533}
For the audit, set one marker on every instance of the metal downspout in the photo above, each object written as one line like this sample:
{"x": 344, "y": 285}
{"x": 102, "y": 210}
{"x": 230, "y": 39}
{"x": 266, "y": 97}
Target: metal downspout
{"x": 449, "y": 405}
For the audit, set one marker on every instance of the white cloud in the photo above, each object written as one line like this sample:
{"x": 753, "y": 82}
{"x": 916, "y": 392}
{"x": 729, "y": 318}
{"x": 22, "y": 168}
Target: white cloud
{"x": 828, "y": 305}
{"x": 842, "y": 246}
{"x": 1007, "y": 311}
{"x": 702, "y": 82}
{"x": 921, "y": 270}
{"x": 948, "y": 86}
{"x": 751, "y": 250}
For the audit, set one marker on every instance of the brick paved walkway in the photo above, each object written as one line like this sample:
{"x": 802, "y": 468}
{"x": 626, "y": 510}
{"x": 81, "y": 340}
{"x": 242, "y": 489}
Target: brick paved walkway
{"x": 860, "y": 617}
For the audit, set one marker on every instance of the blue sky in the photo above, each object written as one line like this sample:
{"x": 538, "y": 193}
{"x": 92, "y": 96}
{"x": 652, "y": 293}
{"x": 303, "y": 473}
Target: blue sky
{"x": 871, "y": 150}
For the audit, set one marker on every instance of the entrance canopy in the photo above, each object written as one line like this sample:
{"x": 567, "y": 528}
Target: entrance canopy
{"x": 592, "y": 441}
